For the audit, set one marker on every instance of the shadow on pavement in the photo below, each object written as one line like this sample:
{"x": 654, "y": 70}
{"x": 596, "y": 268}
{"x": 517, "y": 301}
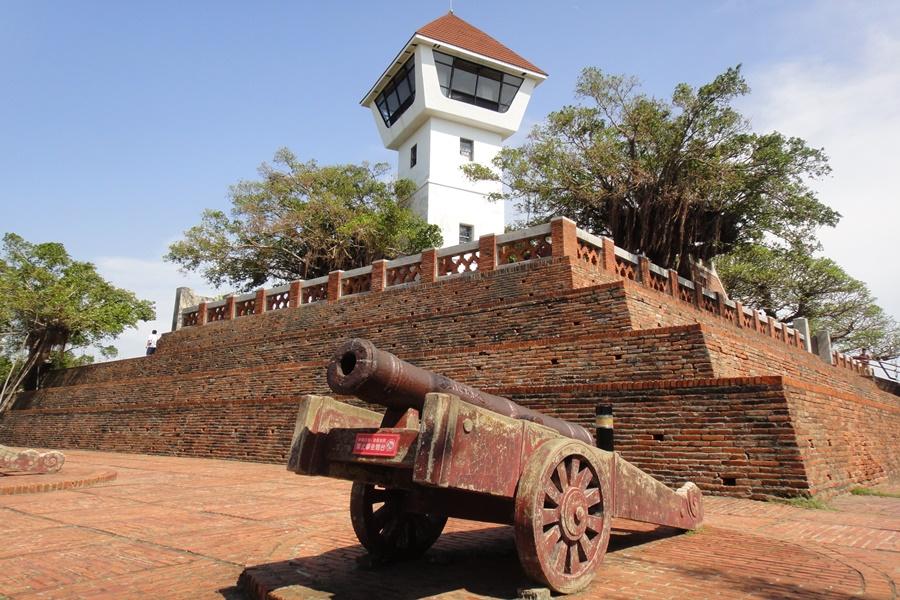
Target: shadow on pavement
{"x": 482, "y": 562}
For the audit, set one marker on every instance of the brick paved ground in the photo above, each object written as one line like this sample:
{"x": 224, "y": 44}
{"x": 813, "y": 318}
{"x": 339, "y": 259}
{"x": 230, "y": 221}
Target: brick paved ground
{"x": 186, "y": 528}
{"x": 70, "y": 477}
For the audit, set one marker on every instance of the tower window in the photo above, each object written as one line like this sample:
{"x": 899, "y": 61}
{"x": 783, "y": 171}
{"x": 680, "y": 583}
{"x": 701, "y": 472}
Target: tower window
{"x": 466, "y": 233}
{"x": 412, "y": 156}
{"x": 467, "y": 148}
{"x": 398, "y": 94}
{"x": 475, "y": 84}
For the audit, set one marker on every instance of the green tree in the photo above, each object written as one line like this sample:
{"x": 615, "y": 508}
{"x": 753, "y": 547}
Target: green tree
{"x": 50, "y": 305}
{"x": 302, "y": 220}
{"x": 686, "y": 179}
{"x": 678, "y": 180}
{"x": 788, "y": 283}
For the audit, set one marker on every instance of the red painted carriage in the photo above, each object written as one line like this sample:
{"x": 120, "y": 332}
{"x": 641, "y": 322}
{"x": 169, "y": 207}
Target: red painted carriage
{"x": 443, "y": 449}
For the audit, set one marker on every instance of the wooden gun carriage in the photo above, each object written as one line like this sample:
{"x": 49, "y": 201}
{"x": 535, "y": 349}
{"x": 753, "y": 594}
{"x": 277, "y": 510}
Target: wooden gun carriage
{"x": 443, "y": 449}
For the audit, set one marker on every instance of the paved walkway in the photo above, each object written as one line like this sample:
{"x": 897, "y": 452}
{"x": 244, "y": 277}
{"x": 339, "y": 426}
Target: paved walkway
{"x": 187, "y": 528}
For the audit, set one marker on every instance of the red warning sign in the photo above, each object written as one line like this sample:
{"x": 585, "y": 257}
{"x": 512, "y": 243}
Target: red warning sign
{"x": 376, "y": 444}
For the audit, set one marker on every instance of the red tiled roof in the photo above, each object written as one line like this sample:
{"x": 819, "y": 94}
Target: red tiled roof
{"x": 450, "y": 29}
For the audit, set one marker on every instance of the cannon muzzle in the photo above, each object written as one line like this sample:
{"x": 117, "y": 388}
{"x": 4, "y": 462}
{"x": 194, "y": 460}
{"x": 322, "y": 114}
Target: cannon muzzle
{"x": 360, "y": 369}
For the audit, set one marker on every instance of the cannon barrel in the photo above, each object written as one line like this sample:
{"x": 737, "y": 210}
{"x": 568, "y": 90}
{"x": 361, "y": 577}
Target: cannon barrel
{"x": 360, "y": 369}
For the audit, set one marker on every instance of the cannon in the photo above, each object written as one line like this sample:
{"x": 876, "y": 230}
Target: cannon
{"x": 443, "y": 449}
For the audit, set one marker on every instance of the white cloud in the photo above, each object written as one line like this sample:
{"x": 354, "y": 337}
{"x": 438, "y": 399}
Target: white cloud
{"x": 850, "y": 107}
{"x": 151, "y": 280}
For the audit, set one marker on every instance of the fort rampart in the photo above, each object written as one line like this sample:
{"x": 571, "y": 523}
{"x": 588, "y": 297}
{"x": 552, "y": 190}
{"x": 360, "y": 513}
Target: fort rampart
{"x": 555, "y": 318}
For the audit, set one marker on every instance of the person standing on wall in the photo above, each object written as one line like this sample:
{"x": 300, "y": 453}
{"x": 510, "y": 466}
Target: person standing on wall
{"x": 151, "y": 342}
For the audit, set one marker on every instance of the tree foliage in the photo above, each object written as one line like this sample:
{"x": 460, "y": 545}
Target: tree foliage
{"x": 678, "y": 180}
{"x": 302, "y": 220}
{"x": 51, "y": 304}
{"x": 792, "y": 282}
{"x": 686, "y": 179}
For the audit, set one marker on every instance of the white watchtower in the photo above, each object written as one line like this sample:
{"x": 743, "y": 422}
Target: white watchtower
{"x": 452, "y": 95}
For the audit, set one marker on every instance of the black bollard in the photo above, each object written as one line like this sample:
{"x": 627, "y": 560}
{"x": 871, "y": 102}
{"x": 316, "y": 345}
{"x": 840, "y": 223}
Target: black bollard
{"x": 604, "y": 423}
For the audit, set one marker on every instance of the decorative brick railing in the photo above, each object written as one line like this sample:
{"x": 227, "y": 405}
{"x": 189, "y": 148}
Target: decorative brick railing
{"x": 594, "y": 250}
{"x": 314, "y": 290}
{"x": 530, "y": 245}
{"x": 558, "y": 238}
{"x": 403, "y": 270}
{"x": 456, "y": 260}
{"x": 356, "y": 281}
{"x": 245, "y": 307}
{"x": 278, "y": 298}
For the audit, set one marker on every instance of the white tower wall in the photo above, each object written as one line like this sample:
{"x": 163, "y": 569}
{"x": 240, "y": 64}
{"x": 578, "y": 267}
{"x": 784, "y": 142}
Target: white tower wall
{"x": 444, "y": 195}
{"x": 434, "y": 124}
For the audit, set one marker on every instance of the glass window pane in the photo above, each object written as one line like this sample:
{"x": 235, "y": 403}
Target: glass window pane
{"x": 469, "y": 82}
{"x": 443, "y": 72}
{"x": 489, "y": 89}
{"x": 487, "y": 104}
{"x": 392, "y": 102}
{"x": 382, "y": 108}
{"x": 466, "y": 148}
{"x": 512, "y": 80}
{"x": 465, "y": 65}
{"x": 398, "y": 78}
{"x": 490, "y": 73}
{"x": 442, "y": 58}
{"x": 398, "y": 94}
{"x": 507, "y": 94}
{"x": 464, "y": 81}
{"x": 403, "y": 90}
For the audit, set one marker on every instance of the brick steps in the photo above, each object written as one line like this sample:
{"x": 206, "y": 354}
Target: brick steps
{"x": 636, "y": 355}
{"x": 694, "y": 396}
{"x": 273, "y": 338}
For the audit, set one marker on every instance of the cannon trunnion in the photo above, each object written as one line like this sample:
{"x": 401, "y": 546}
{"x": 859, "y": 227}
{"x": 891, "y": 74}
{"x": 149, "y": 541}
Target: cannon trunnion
{"x": 444, "y": 456}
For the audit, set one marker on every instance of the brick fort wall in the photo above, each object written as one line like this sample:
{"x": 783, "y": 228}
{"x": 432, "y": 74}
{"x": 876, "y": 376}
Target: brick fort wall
{"x": 699, "y": 391}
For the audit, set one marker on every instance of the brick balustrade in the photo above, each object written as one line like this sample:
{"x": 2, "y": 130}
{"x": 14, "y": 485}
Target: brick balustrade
{"x": 559, "y": 238}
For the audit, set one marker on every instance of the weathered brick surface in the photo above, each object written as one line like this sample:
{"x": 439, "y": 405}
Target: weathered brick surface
{"x": 551, "y": 334}
{"x": 670, "y": 352}
{"x": 843, "y": 438}
{"x": 737, "y": 352}
{"x": 755, "y": 436}
{"x": 729, "y": 436}
{"x": 529, "y": 301}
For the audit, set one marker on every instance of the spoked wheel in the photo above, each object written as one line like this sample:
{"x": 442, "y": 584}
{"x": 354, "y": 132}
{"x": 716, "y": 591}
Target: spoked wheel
{"x": 561, "y": 528}
{"x": 385, "y": 528}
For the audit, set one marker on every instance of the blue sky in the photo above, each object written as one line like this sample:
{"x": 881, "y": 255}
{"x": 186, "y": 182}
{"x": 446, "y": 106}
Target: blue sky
{"x": 121, "y": 121}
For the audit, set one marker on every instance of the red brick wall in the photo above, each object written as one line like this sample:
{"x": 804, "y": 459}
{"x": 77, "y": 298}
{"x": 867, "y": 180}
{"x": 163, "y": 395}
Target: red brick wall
{"x": 844, "y": 439}
{"x": 525, "y": 302}
{"x": 738, "y": 352}
{"x": 548, "y": 333}
{"x": 730, "y": 436}
{"x": 254, "y": 430}
{"x": 676, "y": 352}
